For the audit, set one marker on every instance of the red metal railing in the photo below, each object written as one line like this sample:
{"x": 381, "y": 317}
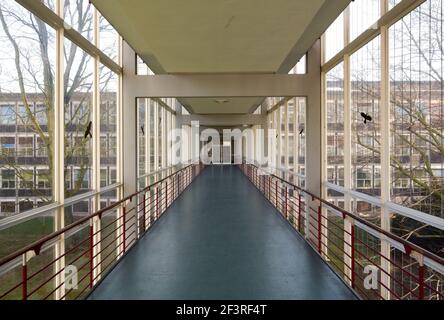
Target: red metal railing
{"x": 67, "y": 264}
{"x": 355, "y": 248}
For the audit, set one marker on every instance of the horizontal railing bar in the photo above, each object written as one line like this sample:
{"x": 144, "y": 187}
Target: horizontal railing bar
{"x": 419, "y": 216}
{"x": 29, "y": 215}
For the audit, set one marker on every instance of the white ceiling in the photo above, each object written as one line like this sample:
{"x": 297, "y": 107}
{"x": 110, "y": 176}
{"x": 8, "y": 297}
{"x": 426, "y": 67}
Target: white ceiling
{"x": 220, "y": 36}
{"x": 215, "y": 36}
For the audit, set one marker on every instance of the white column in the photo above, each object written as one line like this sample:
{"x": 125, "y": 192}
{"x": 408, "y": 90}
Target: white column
{"x": 296, "y": 140}
{"x": 286, "y": 155}
{"x": 59, "y": 158}
{"x": 347, "y": 144}
{"x": 278, "y": 142}
{"x": 96, "y": 153}
{"x": 384, "y": 110}
{"x": 156, "y": 136}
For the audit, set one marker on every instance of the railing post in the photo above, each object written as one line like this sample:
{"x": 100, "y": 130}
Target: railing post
{"x": 286, "y": 202}
{"x": 25, "y": 277}
{"x": 157, "y": 203}
{"x": 124, "y": 229}
{"x": 269, "y": 188}
{"x": 91, "y": 253}
{"x": 177, "y": 185}
{"x": 276, "y": 194}
{"x": 319, "y": 229}
{"x": 300, "y": 212}
{"x": 421, "y": 272}
{"x": 352, "y": 235}
{"x": 166, "y": 194}
{"x": 144, "y": 212}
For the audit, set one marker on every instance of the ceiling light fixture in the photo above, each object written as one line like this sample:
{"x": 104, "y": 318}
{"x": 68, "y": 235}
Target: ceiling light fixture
{"x": 221, "y": 101}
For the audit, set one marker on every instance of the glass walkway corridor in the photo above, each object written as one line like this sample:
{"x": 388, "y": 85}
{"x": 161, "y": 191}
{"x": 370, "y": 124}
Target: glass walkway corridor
{"x": 230, "y": 149}
{"x": 227, "y": 244}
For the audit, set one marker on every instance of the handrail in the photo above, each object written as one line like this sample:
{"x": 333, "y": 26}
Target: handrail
{"x": 407, "y": 244}
{"x": 37, "y": 245}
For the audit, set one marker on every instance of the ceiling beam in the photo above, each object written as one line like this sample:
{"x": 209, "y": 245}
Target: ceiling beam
{"x": 226, "y": 120}
{"x": 208, "y": 86}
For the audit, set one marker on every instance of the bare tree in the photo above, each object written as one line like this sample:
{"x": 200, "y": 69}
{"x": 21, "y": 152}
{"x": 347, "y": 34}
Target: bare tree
{"x": 35, "y": 77}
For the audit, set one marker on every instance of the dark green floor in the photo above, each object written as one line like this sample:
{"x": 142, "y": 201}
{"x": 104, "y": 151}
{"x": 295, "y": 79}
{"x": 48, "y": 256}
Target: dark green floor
{"x": 222, "y": 240}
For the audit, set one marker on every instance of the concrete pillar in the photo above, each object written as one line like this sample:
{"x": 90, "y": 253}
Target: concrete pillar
{"x": 313, "y": 131}
{"x": 129, "y": 143}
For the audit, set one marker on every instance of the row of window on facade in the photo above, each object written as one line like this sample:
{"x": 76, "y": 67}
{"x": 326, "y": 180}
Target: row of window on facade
{"x": 17, "y": 114}
{"x": 38, "y": 179}
{"x": 34, "y": 146}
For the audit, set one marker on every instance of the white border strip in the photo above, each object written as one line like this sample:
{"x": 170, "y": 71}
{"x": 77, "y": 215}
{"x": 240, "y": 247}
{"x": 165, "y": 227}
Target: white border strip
{"x": 419, "y": 216}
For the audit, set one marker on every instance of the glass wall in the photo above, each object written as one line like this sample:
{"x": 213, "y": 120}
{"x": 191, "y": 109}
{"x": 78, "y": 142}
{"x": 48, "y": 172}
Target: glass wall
{"x": 384, "y": 98}
{"x": 26, "y": 110}
{"x": 286, "y": 115}
{"x": 156, "y": 118}
{"x": 417, "y": 109}
{"x": 363, "y": 14}
{"x": 334, "y": 38}
{"x": 365, "y": 71}
{"x": 49, "y": 131}
{"x": 78, "y": 97}
{"x": 79, "y": 14}
{"x": 335, "y": 125}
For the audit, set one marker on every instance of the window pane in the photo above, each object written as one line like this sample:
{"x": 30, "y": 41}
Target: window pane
{"x": 108, "y": 129}
{"x": 365, "y": 96}
{"x": 393, "y": 3}
{"x": 78, "y": 125}
{"x": 79, "y": 15}
{"x": 142, "y": 133}
{"x": 363, "y": 14}
{"x": 109, "y": 39}
{"x": 142, "y": 68}
{"x": 161, "y": 124}
{"x": 334, "y": 38}
{"x": 300, "y": 67}
{"x": 301, "y": 104}
{"x": 50, "y": 4}
{"x": 335, "y": 124}
{"x": 22, "y": 34}
{"x": 152, "y": 119}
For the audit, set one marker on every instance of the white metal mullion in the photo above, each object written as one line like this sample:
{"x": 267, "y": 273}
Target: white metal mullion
{"x": 347, "y": 147}
{"x": 147, "y": 155}
{"x": 169, "y": 138}
{"x": 165, "y": 137}
{"x": 164, "y": 129}
{"x": 286, "y": 135}
{"x": 156, "y": 136}
{"x": 59, "y": 158}
{"x": 174, "y": 128}
{"x": 119, "y": 154}
{"x": 384, "y": 109}
{"x": 278, "y": 127}
{"x": 96, "y": 152}
{"x": 296, "y": 138}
